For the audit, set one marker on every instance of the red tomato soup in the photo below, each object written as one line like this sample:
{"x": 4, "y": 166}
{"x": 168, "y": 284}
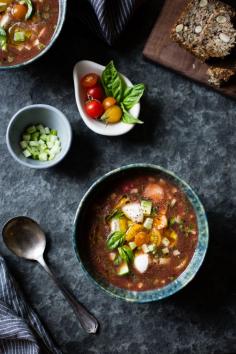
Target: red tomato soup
{"x": 26, "y": 28}
{"x": 141, "y": 233}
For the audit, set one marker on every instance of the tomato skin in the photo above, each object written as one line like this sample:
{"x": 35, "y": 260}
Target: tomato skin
{"x": 89, "y": 80}
{"x": 108, "y": 102}
{"x": 96, "y": 92}
{"x": 19, "y": 11}
{"x": 112, "y": 115}
{"x": 94, "y": 108}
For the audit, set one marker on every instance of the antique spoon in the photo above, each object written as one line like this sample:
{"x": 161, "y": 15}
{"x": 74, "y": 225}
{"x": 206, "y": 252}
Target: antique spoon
{"x": 24, "y": 237}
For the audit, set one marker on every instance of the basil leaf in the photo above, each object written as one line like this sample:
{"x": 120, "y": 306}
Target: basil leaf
{"x": 132, "y": 95}
{"x": 112, "y": 82}
{"x": 3, "y": 39}
{"x": 128, "y": 118}
{"x": 126, "y": 253}
{"x": 29, "y": 5}
{"x": 115, "y": 239}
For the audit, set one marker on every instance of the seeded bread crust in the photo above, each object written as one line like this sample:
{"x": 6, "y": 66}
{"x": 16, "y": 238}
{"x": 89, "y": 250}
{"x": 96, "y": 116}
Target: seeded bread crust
{"x": 205, "y": 29}
{"x": 218, "y": 76}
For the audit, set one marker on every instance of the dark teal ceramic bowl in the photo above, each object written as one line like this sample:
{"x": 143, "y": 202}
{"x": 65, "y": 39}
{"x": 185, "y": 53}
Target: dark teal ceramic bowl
{"x": 189, "y": 272}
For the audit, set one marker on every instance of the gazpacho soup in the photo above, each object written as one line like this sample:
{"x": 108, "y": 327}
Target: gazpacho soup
{"x": 141, "y": 232}
{"x": 26, "y": 27}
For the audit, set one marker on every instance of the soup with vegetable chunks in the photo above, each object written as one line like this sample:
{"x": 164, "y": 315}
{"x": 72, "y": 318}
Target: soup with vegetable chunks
{"x": 141, "y": 233}
{"x": 26, "y": 27}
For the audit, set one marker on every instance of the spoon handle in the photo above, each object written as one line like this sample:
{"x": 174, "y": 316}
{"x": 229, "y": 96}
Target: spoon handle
{"x": 87, "y": 321}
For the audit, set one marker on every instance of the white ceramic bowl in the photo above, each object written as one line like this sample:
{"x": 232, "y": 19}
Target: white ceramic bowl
{"x": 82, "y": 68}
{"x": 32, "y": 115}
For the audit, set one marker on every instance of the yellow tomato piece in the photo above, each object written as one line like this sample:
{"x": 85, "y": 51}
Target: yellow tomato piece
{"x": 132, "y": 231}
{"x": 172, "y": 237}
{"x": 123, "y": 224}
{"x": 155, "y": 237}
{"x": 112, "y": 115}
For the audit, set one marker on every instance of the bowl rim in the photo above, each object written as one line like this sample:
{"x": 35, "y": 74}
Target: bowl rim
{"x": 46, "y": 164}
{"x": 114, "y": 130}
{"x": 195, "y": 263}
{"x": 60, "y": 23}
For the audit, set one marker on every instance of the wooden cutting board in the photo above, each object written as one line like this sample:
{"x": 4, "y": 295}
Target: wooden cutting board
{"x": 162, "y": 50}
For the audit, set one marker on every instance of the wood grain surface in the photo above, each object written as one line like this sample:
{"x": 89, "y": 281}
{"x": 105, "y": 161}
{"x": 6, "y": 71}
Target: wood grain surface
{"x": 162, "y": 50}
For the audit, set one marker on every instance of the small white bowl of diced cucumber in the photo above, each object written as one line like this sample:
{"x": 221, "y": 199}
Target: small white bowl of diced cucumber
{"x": 39, "y": 136}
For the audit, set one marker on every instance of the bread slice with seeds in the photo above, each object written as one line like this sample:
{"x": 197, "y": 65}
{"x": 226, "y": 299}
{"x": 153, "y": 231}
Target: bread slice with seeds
{"x": 218, "y": 76}
{"x": 205, "y": 28}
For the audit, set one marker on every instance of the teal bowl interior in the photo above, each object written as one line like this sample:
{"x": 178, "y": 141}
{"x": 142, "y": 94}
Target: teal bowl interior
{"x": 149, "y": 295}
{"x": 60, "y": 22}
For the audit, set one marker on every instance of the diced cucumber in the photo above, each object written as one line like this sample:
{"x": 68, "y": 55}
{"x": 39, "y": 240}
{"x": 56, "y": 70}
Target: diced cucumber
{"x": 132, "y": 245}
{"x": 44, "y": 137}
{"x": 35, "y": 136}
{"x": 146, "y": 206}
{"x": 19, "y": 36}
{"x": 152, "y": 248}
{"x": 52, "y": 138}
{"x": 34, "y": 143}
{"x": 43, "y": 156}
{"x": 26, "y": 137}
{"x": 26, "y": 153}
{"x": 40, "y": 143}
{"x": 123, "y": 269}
{"x": 47, "y": 130}
{"x": 31, "y": 129}
{"x": 40, "y": 128}
{"x": 148, "y": 223}
{"x": 50, "y": 144}
{"x": 23, "y": 144}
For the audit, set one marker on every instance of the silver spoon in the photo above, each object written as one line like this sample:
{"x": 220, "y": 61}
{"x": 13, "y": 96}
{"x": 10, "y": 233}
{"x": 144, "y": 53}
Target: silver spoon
{"x": 24, "y": 237}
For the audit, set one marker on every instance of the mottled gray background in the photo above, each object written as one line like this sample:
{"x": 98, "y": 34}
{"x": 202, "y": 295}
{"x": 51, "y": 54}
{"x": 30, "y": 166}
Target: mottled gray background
{"x": 188, "y": 129}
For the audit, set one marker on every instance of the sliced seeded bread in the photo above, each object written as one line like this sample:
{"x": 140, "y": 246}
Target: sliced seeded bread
{"x": 205, "y": 28}
{"x": 217, "y": 76}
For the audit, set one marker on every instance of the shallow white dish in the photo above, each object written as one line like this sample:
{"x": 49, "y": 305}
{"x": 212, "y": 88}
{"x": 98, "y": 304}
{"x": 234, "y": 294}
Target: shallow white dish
{"x": 82, "y": 68}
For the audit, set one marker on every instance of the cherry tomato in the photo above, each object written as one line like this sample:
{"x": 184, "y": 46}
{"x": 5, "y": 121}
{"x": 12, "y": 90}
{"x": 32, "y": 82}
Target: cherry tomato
{"x": 108, "y": 102}
{"x": 19, "y": 11}
{"x": 94, "y": 108}
{"x": 89, "y": 80}
{"x": 96, "y": 92}
{"x": 112, "y": 115}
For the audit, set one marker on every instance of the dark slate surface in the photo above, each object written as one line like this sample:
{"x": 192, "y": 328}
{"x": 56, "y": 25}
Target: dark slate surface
{"x": 188, "y": 129}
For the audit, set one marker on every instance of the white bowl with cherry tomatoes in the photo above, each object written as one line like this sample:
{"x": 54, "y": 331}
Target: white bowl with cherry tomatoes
{"x": 101, "y": 111}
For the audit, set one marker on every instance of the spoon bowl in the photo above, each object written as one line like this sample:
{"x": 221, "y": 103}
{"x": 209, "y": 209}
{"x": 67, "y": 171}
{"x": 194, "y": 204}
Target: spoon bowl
{"x": 24, "y": 237}
{"x": 82, "y": 68}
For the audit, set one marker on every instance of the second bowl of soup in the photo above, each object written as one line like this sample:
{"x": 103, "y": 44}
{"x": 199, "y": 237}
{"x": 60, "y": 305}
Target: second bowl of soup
{"x": 141, "y": 233}
{"x": 28, "y": 28}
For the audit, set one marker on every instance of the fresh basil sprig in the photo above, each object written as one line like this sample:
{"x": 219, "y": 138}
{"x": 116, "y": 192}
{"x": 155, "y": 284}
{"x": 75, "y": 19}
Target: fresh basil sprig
{"x": 112, "y": 82}
{"x": 3, "y": 39}
{"x": 126, "y": 253}
{"x": 132, "y": 95}
{"x": 127, "y": 97}
{"x": 115, "y": 239}
{"x": 128, "y": 118}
